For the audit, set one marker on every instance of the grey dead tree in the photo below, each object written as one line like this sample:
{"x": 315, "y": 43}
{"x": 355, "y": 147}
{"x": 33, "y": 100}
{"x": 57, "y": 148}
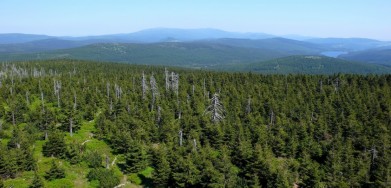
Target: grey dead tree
{"x": 175, "y": 82}
{"x": 144, "y": 85}
{"x": 374, "y": 152}
{"x": 194, "y": 145}
{"x": 75, "y": 100}
{"x": 57, "y": 89}
{"x": 248, "y": 106}
{"x": 215, "y": 109}
{"x": 118, "y": 91}
{"x": 320, "y": 85}
{"x": 178, "y": 112}
{"x": 159, "y": 114}
{"x": 180, "y": 137}
{"x": 113, "y": 162}
{"x": 107, "y": 161}
{"x": 43, "y": 103}
{"x": 172, "y": 81}
{"x": 336, "y": 84}
{"x": 272, "y": 117}
{"x": 71, "y": 127}
{"x": 154, "y": 90}
{"x": 11, "y": 91}
{"x": 108, "y": 90}
{"x": 128, "y": 108}
{"x": 111, "y": 105}
{"x": 167, "y": 79}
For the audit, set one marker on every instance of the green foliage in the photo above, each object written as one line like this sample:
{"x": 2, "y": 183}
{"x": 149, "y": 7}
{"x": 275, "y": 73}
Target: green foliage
{"x": 74, "y": 153}
{"x": 135, "y": 158}
{"x": 94, "y": 159}
{"x": 143, "y": 177}
{"x": 278, "y": 130}
{"x": 106, "y": 177}
{"x": 37, "y": 182}
{"x": 55, "y": 146}
{"x": 162, "y": 171}
{"x": 55, "y": 172}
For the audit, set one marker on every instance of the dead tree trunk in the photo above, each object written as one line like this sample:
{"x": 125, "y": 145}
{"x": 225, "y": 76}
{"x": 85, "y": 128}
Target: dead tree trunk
{"x": 13, "y": 117}
{"x": 248, "y": 107}
{"x": 75, "y": 100}
{"x": 194, "y": 144}
{"x": 107, "y": 162}
{"x": 71, "y": 127}
{"x": 215, "y": 109}
{"x": 167, "y": 79}
{"x": 180, "y": 137}
{"x": 108, "y": 90}
{"x": 272, "y": 117}
{"x": 144, "y": 86}
{"x": 154, "y": 90}
{"x": 43, "y": 103}
{"x": 57, "y": 89}
{"x": 159, "y": 114}
{"x": 27, "y": 98}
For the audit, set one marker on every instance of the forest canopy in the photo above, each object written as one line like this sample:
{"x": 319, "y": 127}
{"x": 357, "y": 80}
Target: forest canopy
{"x": 80, "y": 123}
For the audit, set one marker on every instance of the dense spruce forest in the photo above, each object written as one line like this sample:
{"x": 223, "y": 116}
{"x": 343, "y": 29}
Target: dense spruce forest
{"x": 66, "y": 123}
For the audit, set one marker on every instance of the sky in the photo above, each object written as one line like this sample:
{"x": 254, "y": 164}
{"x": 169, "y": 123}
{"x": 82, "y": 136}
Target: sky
{"x": 315, "y": 18}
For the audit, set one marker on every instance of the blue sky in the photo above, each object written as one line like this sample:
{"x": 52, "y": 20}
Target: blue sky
{"x": 321, "y": 18}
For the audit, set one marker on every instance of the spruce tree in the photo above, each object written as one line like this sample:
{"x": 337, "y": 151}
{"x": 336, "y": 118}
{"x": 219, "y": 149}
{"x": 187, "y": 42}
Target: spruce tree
{"x": 55, "y": 172}
{"x": 55, "y": 146}
{"x": 37, "y": 182}
{"x": 136, "y": 158}
{"x": 162, "y": 170}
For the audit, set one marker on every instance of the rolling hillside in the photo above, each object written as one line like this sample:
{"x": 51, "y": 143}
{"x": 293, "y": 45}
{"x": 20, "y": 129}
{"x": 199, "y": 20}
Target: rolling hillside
{"x": 284, "y": 45}
{"x": 177, "y": 54}
{"x": 349, "y": 44}
{"x": 42, "y": 45}
{"x": 370, "y": 56}
{"x": 11, "y": 38}
{"x": 307, "y": 65}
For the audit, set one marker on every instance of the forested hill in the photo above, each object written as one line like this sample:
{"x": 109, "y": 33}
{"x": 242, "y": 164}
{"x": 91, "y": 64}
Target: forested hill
{"x": 85, "y": 124}
{"x": 306, "y": 64}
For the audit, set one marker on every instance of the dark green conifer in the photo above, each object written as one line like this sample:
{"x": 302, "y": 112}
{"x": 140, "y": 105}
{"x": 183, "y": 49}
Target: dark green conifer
{"x": 55, "y": 172}
{"x": 55, "y": 146}
{"x": 37, "y": 182}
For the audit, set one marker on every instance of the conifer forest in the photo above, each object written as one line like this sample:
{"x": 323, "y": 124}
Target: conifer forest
{"x": 72, "y": 123}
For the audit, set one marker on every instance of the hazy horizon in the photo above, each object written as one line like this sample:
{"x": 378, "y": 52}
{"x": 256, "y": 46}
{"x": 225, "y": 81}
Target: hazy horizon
{"x": 324, "y": 19}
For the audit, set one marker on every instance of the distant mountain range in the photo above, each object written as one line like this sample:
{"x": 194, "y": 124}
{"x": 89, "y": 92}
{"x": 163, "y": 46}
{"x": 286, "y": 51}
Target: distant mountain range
{"x": 201, "y": 48}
